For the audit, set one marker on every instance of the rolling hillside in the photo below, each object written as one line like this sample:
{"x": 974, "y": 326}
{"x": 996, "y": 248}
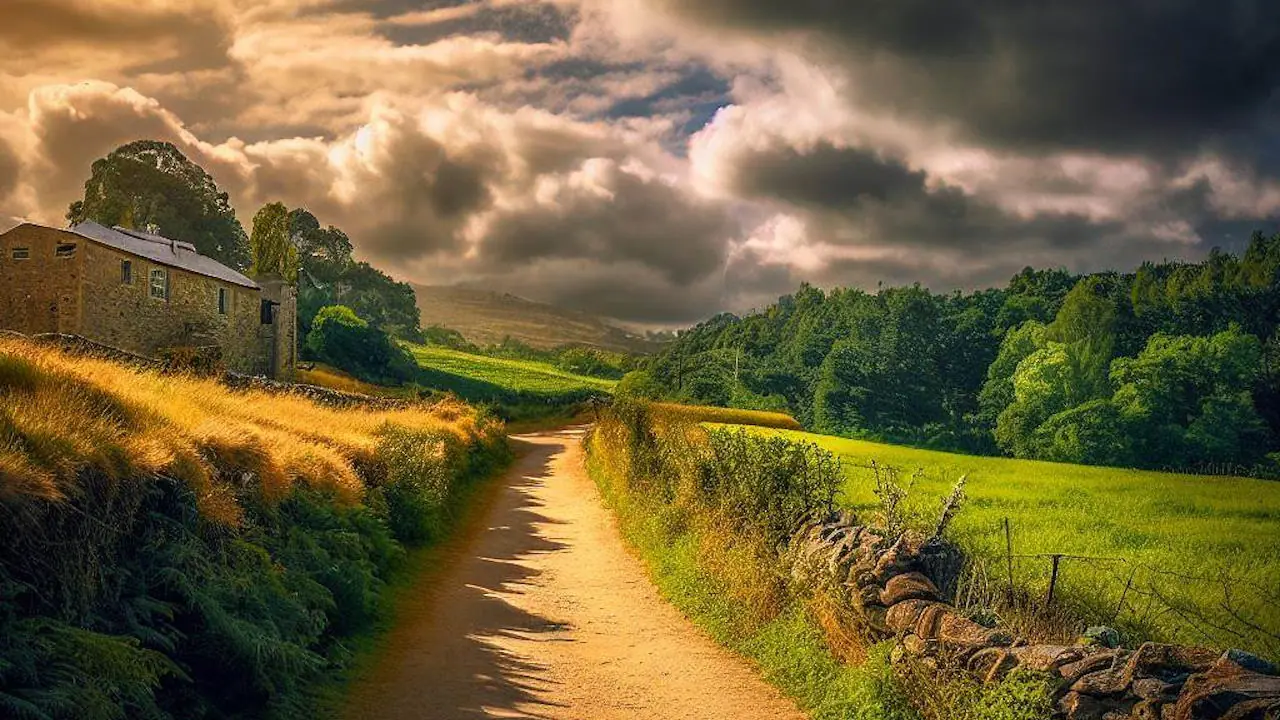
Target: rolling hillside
{"x": 486, "y": 318}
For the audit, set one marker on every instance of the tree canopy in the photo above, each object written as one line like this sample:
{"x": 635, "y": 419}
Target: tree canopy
{"x": 150, "y": 185}
{"x": 1173, "y": 365}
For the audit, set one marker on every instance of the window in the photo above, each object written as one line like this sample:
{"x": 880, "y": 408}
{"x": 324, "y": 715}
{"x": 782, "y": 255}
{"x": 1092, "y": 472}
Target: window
{"x": 222, "y": 301}
{"x": 159, "y": 283}
{"x": 21, "y": 253}
{"x": 126, "y": 272}
{"x": 65, "y": 250}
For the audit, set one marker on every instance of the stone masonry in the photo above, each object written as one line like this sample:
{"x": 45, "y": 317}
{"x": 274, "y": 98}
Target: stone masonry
{"x": 59, "y": 281}
{"x": 886, "y": 586}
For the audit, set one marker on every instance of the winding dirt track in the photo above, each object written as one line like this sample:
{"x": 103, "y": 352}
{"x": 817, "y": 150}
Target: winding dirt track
{"x": 540, "y": 612}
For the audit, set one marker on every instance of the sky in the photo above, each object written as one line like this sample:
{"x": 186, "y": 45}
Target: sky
{"x": 659, "y": 161}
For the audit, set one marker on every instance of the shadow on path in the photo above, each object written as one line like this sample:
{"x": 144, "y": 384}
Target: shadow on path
{"x": 447, "y": 658}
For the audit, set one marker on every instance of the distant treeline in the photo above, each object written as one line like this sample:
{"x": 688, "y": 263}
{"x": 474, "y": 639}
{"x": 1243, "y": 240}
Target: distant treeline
{"x": 1174, "y": 365}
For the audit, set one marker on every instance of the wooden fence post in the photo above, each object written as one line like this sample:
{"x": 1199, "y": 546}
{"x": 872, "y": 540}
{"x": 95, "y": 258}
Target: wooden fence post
{"x": 1053, "y": 578}
{"x": 1008, "y": 544}
{"x": 1132, "y": 571}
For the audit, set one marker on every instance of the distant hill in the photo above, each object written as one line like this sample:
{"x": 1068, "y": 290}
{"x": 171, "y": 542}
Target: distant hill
{"x": 486, "y": 318}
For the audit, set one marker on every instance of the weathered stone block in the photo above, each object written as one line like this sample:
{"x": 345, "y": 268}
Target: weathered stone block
{"x": 908, "y": 586}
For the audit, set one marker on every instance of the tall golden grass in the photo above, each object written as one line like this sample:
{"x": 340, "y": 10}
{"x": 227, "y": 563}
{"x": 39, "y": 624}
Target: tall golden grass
{"x": 63, "y": 414}
{"x": 334, "y": 379}
{"x": 732, "y": 416}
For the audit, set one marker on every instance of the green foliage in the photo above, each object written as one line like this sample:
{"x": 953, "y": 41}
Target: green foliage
{"x": 1027, "y": 370}
{"x": 639, "y": 384}
{"x": 1187, "y": 400}
{"x": 328, "y": 275}
{"x": 342, "y": 339}
{"x": 724, "y": 579}
{"x": 127, "y": 603}
{"x": 273, "y": 251}
{"x": 150, "y": 185}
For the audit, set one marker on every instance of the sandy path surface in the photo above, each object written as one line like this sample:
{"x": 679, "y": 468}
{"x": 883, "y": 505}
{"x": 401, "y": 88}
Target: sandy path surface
{"x": 540, "y": 612}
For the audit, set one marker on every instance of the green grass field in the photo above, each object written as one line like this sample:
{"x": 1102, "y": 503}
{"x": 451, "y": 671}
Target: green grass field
{"x": 517, "y": 375}
{"x": 1204, "y": 552}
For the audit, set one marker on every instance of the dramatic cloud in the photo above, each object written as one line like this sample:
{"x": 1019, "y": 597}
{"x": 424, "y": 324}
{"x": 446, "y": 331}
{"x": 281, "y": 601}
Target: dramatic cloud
{"x": 1060, "y": 74}
{"x": 659, "y": 161}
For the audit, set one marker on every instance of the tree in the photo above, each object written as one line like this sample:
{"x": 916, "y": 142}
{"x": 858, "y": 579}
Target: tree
{"x": 341, "y": 338}
{"x": 151, "y": 185}
{"x": 997, "y": 392}
{"x": 1187, "y": 400}
{"x": 273, "y": 251}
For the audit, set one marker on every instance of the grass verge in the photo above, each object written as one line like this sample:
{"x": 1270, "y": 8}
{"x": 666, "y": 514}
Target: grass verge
{"x": 788, "y": 646}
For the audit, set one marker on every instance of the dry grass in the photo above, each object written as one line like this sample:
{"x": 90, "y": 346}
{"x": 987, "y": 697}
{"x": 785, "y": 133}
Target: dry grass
{"x": 334, "y": 379}
{"x": 62, "y": 415}
{"x": 733, "y": 416}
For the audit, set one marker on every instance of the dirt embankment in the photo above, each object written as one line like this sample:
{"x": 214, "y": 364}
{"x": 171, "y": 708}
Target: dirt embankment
{"x": 542, "y": 613}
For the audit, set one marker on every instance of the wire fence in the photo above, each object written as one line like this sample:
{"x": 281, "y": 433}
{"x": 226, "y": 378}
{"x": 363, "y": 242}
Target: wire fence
{"x": 1241, "y": 612}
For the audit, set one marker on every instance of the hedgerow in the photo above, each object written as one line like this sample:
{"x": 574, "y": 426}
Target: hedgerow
{"x": 176, "y": 550}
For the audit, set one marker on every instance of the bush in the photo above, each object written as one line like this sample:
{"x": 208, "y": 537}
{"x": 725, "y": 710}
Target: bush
{"x": 173, "y": 549}
{"x": 340, "y": 338}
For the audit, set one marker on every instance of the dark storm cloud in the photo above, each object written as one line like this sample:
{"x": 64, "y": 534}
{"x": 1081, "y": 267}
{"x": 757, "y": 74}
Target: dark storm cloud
{"x": 1120, "y": 75}
{"x": 825, "y": 176}
{"x": 902, "y": 227}
{"x": 616, "y": 217}
{"x": 159, "y": 39}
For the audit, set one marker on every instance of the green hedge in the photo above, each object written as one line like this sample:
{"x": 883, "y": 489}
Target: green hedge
{"x": 123, "y": 602}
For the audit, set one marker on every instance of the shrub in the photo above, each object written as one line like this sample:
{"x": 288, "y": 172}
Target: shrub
{"x": 339, "y": 337}
{"x": 174, "y": 549}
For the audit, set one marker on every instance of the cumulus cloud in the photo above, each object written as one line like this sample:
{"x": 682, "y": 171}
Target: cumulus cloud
{"x": 660, "y": 161}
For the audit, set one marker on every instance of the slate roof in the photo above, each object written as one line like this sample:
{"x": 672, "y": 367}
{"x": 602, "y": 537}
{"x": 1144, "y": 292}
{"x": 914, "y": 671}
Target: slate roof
{"x": 164, "y": 251}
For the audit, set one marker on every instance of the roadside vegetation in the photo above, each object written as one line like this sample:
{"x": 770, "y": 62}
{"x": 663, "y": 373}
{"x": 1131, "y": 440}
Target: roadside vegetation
{"x": 730, "y": 416}
{"x": 1160, "y": 556}
{"x": 1173, "y": 366}
{"x": 708, "y": 508}
{"x": 175, "y": 549}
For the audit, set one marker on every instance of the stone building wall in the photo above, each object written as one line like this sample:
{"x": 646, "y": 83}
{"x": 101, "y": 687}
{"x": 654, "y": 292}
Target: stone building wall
{"x": 279, "y": 340}
{"x": 126, "y": 316}
{"x": 40, "y": 294}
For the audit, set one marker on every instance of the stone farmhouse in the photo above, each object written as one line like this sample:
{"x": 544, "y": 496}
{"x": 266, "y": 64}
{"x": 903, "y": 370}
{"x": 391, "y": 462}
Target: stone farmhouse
{"x": 145, "y": 294}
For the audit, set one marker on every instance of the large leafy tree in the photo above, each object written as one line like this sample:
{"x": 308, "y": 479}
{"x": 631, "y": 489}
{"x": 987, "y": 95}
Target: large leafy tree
{"x": 1188, "y": 400}
{"x": 151, "y": 185}
{"x": 273, "y": 251}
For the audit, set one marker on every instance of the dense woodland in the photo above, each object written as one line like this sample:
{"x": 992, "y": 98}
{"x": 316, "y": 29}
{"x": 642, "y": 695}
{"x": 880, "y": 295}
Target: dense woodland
{"x": 1176, "y": 365}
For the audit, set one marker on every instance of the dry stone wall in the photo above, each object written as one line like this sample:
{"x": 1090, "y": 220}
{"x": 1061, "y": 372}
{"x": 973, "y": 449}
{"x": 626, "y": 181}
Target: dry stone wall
{"x": 889, "y": 587}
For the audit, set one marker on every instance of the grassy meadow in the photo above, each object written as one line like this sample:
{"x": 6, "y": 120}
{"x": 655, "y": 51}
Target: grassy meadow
{"x": 1202, "y": 551}
{"x": 519, "y": 375}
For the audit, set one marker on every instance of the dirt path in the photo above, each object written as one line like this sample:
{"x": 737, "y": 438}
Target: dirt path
{"x": 542, "y": 613}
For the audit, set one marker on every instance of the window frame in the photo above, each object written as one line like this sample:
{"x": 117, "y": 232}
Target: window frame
{"x": 162, "y": 274}
{"x": 126, "y": 272}
{"x": 224, "y": 300}
{"x": 65, "y": 251}
{"x": 20, "y": 253}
